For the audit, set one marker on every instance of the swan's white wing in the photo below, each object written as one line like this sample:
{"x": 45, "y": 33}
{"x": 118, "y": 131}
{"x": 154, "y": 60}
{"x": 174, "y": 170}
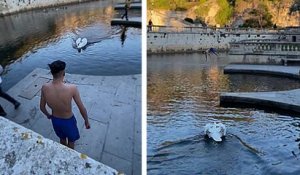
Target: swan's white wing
{"x": 78, "y": 41}
{"x": 82, "y": 43}
{"x": 216, "y": 136}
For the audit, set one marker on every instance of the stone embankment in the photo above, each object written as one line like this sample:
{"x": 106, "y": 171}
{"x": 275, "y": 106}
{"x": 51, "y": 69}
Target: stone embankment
{"x": 23, "y": 151}
{"x": 14, "y": 6}
{"x": 170, "y": 39}
{"x": 275, "y": 70}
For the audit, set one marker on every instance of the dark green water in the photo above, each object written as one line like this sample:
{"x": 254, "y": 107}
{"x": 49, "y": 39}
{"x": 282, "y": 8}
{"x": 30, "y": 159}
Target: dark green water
{"x": 34, "y": 39}
{"x": 183, "y": 95}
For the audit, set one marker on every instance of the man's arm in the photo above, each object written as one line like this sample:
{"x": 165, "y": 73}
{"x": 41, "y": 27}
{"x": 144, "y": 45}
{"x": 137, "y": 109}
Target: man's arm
{"x": 43, "y": 103}
{"x": 81, "y": 107}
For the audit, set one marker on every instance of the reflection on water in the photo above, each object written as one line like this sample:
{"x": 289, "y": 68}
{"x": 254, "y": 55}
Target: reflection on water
{"x": 183, "y": 95}
{"x": 123, "y": 35}
{"x": 33, "y": 39}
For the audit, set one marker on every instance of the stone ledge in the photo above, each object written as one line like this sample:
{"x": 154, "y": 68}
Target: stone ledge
{"x": 282, "y": 102}
{"x": 12, "y": 6}
{"x": 23, "y": 151}
{"x": 276, "y": 70}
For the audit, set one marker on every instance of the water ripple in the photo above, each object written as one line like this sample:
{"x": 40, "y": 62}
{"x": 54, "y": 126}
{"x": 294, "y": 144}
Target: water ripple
{"x": 183, "y": 95}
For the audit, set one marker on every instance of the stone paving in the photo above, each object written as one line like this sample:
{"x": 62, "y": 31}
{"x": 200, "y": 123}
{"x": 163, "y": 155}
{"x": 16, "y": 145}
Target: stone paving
{"x": 114, "y": 108}
{"x": 26, "y": 152}
{"x": 287, "y": 71}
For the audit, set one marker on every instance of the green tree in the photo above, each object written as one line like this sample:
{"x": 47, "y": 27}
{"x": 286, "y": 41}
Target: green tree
{"x": 225, "y": 12}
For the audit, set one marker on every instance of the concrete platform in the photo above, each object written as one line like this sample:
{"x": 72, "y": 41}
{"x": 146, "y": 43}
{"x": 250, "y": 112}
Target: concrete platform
{"x": 26, "y": 152}
{"x": 135, "y": 6}
{"x": 284, "y": 102}
{"x": 114, "y": 108}
{"x": 286, "y": 71}
{"x": 129, "y": 23}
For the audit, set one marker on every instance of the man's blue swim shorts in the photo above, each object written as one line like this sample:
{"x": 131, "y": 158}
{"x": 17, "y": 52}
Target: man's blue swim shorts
{"x": 66, "y": 128}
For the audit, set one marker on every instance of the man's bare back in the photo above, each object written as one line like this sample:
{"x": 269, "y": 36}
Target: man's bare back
{"x": 58, "y": 97}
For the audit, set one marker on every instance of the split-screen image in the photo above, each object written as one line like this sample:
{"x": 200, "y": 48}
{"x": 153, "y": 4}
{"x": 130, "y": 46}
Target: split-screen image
{"x": 156, "y": 87}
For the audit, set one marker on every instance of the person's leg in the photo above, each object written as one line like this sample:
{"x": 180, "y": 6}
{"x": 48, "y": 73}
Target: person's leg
{"x": 2, "y": 112}
{"x": 9, "y": 98}
{"x": 72, "y": 132}
{"x": 123, "y": 14}
{"x": 58, "y": 124}
{"x": 71, "y": 145}
{"x": 63, "y": 141}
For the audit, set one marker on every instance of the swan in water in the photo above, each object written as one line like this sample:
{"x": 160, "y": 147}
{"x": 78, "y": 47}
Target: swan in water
{"x": 215, "y": 131}
{"x": 81, "y": 42}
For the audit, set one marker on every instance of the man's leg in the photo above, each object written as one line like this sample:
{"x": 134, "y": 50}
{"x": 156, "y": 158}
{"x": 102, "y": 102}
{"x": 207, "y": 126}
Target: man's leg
{"x": 2, "y": 112}
{"x": 71, "y": 145}
{"x": 64, "y": 142}
{"x": 123, "y": 14}
{"x": 9, "y": 98}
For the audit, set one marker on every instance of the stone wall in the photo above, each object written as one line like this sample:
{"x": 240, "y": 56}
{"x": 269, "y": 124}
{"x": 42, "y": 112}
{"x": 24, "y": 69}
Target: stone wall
{"x": 13, "y": 6}
{"x": 158, "y": 42}
{"x": 25, "y": 152}
{"x": 193, "y": 41}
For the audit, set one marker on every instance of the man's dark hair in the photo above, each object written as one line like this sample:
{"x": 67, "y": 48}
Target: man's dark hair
{"x": 56, "y": 67}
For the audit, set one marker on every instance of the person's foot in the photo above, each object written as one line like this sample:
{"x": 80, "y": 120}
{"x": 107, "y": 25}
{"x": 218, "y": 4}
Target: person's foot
{"x": 3, "y": 113}
{"x": 17, "y": 104}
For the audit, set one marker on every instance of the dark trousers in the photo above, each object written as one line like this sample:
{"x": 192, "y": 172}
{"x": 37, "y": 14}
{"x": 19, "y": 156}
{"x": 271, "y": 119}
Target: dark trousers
{"x": 125, "y": 14}
{"x": 7, "y": 97}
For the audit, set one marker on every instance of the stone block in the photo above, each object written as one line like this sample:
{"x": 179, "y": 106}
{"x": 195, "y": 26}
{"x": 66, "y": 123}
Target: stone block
{"x": 92, "y": 140}
{"x": 30, "y": 91}
{"x": 137, "y": 165}
{"x": 120, "y": 138}
{"x": 26, "y": 152}
{"x": 137, "y": 129}
{"x": 122, "y": 165}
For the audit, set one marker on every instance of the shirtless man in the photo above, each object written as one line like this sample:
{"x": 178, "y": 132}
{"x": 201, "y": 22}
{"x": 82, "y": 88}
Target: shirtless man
{"x": 58, "y": 96}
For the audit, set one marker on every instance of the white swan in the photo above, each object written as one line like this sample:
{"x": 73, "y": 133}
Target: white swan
{"x": 81, "y": 42}
{"x": 215, "y": 131}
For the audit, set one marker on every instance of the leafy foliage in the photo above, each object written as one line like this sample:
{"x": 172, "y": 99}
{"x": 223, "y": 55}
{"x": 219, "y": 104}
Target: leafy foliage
{"x": 254, "y": 12}
{"x": 261, "y": 18}
{"x": 225, "y": 12}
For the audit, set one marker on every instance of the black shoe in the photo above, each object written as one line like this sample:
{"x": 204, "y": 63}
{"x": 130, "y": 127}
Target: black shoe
{"x": 3, "y": 113}
{"x": 17, "y": 104}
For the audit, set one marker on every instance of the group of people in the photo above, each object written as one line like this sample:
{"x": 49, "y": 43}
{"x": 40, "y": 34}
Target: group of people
{"x": 58, "y": 96}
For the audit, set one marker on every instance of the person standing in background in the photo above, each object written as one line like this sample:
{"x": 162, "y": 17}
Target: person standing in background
{"x": 127, "y": 6}
{"x": 150, "y": 23}
{"x": 7, "y": 97}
